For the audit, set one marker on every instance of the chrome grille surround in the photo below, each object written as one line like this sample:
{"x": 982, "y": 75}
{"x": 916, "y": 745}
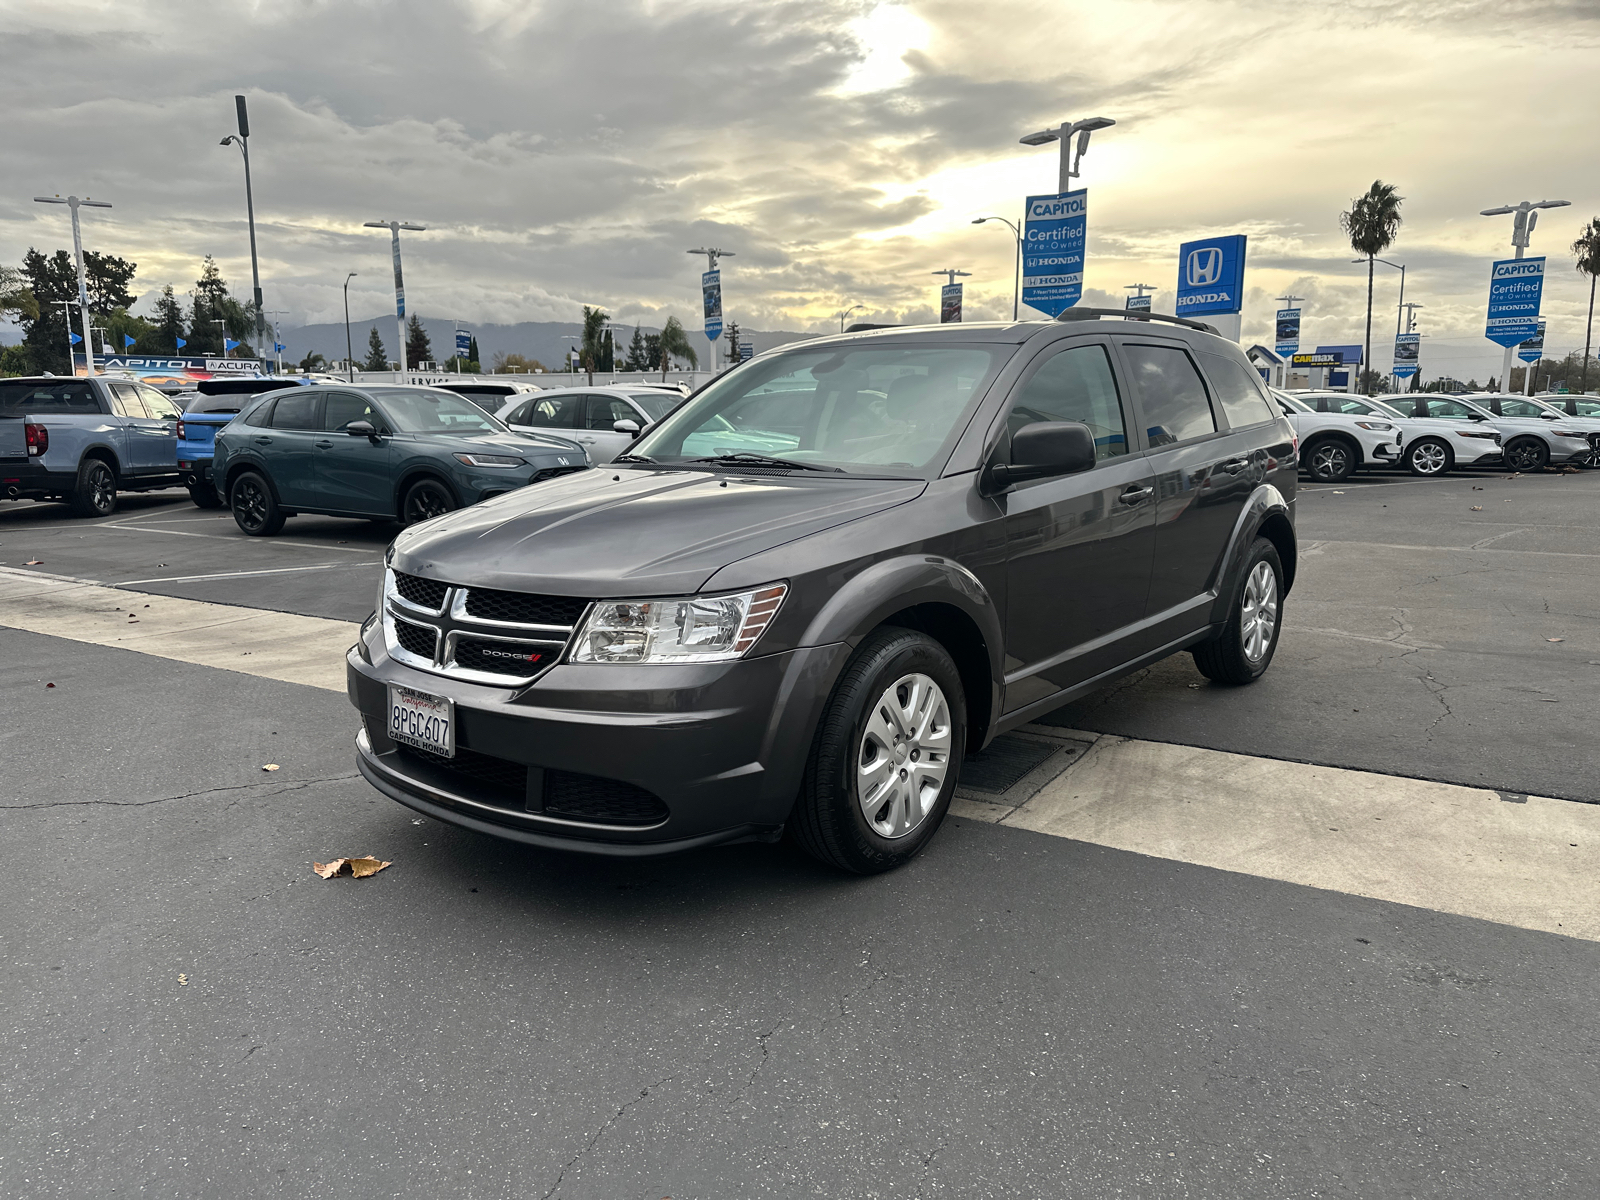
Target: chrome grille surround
{"x": 453, "y": 623}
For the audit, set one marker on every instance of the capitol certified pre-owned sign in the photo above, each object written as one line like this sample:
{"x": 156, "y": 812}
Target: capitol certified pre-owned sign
{"x": 1406, "y": 346}
{"x": 711, "y": 301}
{"x": 1288, "y": 331}
{"x": 1053, "y": 233}
{"x": 1211, "y": 276}
{"x": 1515, "y": 286}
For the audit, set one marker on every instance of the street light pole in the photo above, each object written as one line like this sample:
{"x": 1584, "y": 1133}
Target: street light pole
{"x": 243, "y": 142}
{"x": 277, "y": 340}
{"x": 349, "y": 349}
{"x": 1070, "y": 165}
{"x": 74, "y": 204}
{"x": 712, "y": 253}
{"x": 394, "y": 228}
{"x": 1016, "y": 267}
{"x": 843, "y": 316}
{"x": 1526, "y": 217}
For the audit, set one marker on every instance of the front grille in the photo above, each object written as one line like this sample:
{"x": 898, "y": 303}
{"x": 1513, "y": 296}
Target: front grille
{"x": 503, "y": 658}
{"x": 508, "y": 780}
{"x": 415, "y": 639}
{"x": 523, "y": 608}
{"x": 424, "y": 593}
{"x": 602, "y": 801}
{"x": 551, "y": 472}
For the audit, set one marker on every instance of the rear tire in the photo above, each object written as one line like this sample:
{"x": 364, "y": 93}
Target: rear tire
{"x": 255, "y": 511}
{"x": 205, "y": 495}
{"x": 95, "y": 493}
{"x": 1527, "y": 454}
{"x": 1329, "y": 460}
{"x": 424, "y": 500}
{"x": 1429, "y": 457}
{"x": 886, "y": 756}
{"x": 1244, "y": 650}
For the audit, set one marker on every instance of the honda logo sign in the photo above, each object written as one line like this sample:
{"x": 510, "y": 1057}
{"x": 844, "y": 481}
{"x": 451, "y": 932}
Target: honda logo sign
{"x": 1211, "y": 276}
{"x": 1204, "y": 266}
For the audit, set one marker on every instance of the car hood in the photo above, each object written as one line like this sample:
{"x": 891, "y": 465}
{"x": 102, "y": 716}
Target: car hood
{"x": 632, "y": 532}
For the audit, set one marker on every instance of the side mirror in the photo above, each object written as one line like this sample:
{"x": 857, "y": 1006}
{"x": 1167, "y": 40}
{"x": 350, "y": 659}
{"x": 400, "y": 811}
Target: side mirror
{"x": 1044, "y": 449}
{"x": 1477, "y": 416}
{"x": 361, "y": 429}
{"x": 625, "y": 425}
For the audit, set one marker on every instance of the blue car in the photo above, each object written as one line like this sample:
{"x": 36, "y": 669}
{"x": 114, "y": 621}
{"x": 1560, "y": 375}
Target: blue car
{"x": 385, "y": 452}
{"x": 213, "y": 405}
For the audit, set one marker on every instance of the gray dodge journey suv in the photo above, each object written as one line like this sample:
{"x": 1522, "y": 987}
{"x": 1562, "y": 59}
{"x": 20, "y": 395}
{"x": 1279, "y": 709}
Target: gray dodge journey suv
{"x": 801, "y": 598}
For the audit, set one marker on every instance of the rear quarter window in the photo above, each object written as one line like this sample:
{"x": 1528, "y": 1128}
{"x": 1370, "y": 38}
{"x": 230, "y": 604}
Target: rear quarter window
{"x": 18, "y": 397}
{"x": 1239, "y": 390}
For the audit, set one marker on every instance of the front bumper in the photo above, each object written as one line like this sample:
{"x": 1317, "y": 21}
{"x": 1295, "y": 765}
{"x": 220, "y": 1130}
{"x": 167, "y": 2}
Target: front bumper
{"x": 722, "y": 746}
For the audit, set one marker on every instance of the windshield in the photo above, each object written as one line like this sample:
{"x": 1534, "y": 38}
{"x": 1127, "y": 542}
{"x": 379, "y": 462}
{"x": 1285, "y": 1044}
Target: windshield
{"x": 895, "y": 407}
{"x": 1387, "y": 410}
{"x": 1289, "y": 401}
{"x": 655, "y": 404}
{"x": 429, "y": 410}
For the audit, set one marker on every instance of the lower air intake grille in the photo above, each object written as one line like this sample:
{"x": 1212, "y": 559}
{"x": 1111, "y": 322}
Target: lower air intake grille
{"x": 508, "y": 779}
{"x": 602, "y": 801}
{"x": 415, "y": 639}
{"x": 424, "y": 593}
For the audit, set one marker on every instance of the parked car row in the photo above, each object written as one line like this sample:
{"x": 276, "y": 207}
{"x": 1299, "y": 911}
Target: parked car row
{"x": 1431, "y": 434}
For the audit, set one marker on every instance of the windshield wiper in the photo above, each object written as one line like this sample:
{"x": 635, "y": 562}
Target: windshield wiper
{"x": 644, "y": 458}
{"x": 766, "y": 460}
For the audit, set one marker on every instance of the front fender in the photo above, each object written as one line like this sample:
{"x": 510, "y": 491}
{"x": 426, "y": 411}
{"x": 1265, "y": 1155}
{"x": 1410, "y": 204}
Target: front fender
{"x": 1266, "y": 503}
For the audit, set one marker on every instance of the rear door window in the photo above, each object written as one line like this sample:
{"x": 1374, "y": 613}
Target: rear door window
{"x": 1075, "y": 385}
{"x": 68, "y": 396}
{"x": 601, "y": 412}
{"x": 158, "y": 405}
{"x": 1239, "y": 390}
{"x": 556, "y": 411}
{"x": 1176, "y": 408}
{"x": 125, "y": 399}
{"x": 297, "y": 412}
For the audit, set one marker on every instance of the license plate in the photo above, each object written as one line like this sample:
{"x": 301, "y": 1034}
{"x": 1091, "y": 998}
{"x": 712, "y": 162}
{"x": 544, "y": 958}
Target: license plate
{"x": 423, "y": 720}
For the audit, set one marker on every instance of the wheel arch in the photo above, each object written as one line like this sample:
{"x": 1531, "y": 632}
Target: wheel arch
{"x": 239, "y": 468}
{"x": 1266, "y": 514}
{"x": 416, "y": 474}
{"x": 106, "y": 455}
{"x": 1349, "y": 440}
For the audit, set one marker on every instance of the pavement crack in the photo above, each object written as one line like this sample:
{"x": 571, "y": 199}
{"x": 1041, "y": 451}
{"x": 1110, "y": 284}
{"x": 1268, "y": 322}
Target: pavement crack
{"x": 601, "y": 1132}
{"x": 273, "y": 790}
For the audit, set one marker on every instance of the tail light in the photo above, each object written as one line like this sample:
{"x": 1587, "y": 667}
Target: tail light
{"x": 38, "y": 438}
{"x": 183, "y": 435}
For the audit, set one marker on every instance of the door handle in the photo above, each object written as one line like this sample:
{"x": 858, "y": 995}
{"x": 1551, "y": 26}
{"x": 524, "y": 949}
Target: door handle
{"x": 1233, "y": 465}
{"x": 324, "y": 445}
{"x": 1135, "y": 493}
{"x": 263, "y": 441}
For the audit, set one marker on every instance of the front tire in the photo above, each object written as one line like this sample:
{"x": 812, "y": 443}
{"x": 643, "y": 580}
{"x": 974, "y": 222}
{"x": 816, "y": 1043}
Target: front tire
{"x": 1429, "y": 457}
{"x": 95, "y": 493}
{"x": 424, "y": 500}
{"x": 1329, "y": 460}
{"x": 255, "y": 511}
{"x": 886, "y": 757}
{"x": 1244, "y": 650}
{"x": 1527, "y": 454}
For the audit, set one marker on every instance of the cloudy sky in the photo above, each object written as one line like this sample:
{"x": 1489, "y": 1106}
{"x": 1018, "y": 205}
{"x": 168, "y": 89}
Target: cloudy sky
{"x": 565, "y": 152}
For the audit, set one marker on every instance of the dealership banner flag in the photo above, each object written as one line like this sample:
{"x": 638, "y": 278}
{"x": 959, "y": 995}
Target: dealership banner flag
{"x": 1515, "y": 287}
{"x": 1406, "y": 346}
{"x": 950, "y": 304}
{"x": 1138, "y": 304}
{"x": 711, "y": 297}
{"x": 1288, "y": 336}
{"x": 1532, "y": 350}
{"x": 1053, "y": 234}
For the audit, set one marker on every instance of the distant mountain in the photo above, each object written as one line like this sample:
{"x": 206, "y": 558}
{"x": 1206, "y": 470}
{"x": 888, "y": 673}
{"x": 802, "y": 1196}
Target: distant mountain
{"x": 543, "y": 340}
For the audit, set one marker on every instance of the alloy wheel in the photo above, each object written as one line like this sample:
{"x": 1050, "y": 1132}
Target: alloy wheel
{"x": 1525, "y": 456}
{"x": 102, "y": 488}
{"x": 426, "y": 500}
{"x": 1429, "y": 458}
{"x": 1258, "y": 612}
{"x": 1330, "y": 462}
{"x": 250, "y": 504}
{"x": 904, "y": 756}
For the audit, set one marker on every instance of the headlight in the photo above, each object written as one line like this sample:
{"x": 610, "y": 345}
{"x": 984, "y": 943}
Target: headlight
{"x": 490, "y": 460}
{"x": 697, "y": 629}
{"x": 1379, "y": 425}
{"x": 1473, "y": 434}
{"x": 1569, "y": 433}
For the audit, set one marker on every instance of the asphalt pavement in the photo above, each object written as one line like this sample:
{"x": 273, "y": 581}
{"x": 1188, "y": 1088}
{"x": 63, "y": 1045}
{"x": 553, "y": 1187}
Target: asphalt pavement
{"x": 191, "y": 1012}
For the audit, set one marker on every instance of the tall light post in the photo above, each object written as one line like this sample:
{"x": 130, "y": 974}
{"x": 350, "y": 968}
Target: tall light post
{"x": 847, "y": 313}
{"x": 1070, "y": 164}
{"x": 1402, "y": 303}
{"x": 243, "y": 142}
{"x": 75, "y": 204}
{"x": 277, "y": 339}
{"x": 349, "y": 348}
{"x": 712, "y": 253}
{"x": 1526, "y": 217}
{"x": 1016, "y": 273}
{"x": 394, "y": 228}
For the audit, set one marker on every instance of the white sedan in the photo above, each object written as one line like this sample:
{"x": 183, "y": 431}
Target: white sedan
{"x": 605, "y": 420}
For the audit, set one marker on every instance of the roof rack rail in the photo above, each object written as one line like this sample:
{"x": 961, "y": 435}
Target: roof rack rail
{"x": 1090, "y": 314}
{"x": 862, "y": 327}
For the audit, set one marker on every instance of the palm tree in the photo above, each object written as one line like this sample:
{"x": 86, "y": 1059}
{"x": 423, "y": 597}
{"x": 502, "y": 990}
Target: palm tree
{"x": 675, "y": 344}
{"x": 594, "y": 334}
{"x": 1372, "y": 223}
{"x": 1587, "y": 248}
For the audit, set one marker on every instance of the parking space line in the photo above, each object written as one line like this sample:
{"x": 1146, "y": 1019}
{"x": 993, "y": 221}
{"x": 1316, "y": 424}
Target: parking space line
{"x": 1326, "y": 541}
{"x": 344, "y": 566}
{"x": 258, "y": 541}
{"x": 1528, "y": 861}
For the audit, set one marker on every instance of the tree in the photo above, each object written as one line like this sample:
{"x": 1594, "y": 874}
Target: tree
{"x": 472, "y": 356}
{"x": 516, "y": 364}
{"x": 1587, "y": 250}
{"x": 315, "y": 362}
{"x": 594, "y": 331}
{"x": 377, "y": 356}
{"x": 169, "y": 323}
{"x": 418, "y": 351}
{"x": 52, "y": 280}
{"x": 15, "y": 295}
{"x": 637, "y": 360}
{"x": 674, "y": 343}
{"x": 215, "y": 314}
{"x": 15, "y": 360}
{"x": 733, "y": 343}
{"x": 652, "y": 351}
{"x": 1372, "y": 223}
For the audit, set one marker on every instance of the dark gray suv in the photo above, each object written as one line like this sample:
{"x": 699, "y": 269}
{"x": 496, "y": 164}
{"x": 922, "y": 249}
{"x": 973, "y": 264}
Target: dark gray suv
{"x": 805, "y": 595}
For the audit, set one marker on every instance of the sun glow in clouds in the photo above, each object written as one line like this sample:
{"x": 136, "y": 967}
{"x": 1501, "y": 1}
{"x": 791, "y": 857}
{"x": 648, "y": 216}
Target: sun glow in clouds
{"x": 887, "y": 34}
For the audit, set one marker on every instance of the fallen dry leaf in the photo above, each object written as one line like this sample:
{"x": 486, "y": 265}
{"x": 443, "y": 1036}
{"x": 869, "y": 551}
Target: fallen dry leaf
{"x": 34, "y": 562}
{"x": 359, "y": 867}
{"x": 184, "y": 980}
{"x": 1337, "y": 493}
{"x": 1555, "y": 639}
{"x": 1477, "y": 508}
{"x": 270, "y": 767}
